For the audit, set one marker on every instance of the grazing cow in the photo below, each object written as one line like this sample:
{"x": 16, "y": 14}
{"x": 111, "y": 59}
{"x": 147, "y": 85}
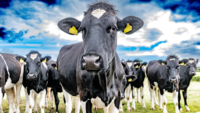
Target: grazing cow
{"x": 128, "y": 78}
{"x": 54, "y": 83}
{"x": 165, "y": 77}
{"x": 35, "y": 79}
{"x": 92, "y": 68}
{"x": 187, "y": 71}
{"x": 138, "y": 70}
{"x": 11, "y": 76}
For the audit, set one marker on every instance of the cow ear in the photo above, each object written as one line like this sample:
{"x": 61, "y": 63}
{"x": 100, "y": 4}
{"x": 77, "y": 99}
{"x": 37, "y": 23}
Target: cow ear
{"x": 54, "y": 66}
{"x": 45, "y": 59}
{"x": 21, "y": 59}
{"x": 144, "y": 64}
{"x": 70, "y": 26}
{"x": 130, "y": 24}
{"x": 197, "y": 61}
{"x": 131, "y": 78}
{"x": 183, "y": 62}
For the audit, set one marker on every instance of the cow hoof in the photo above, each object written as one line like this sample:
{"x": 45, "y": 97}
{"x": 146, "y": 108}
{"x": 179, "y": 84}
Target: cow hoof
{"x": 152, "y": 108}
{"x": 181, "y": 110}
{"x": 161, "y": 109}
{"x": 165, "y": 111}
{"x": 35, "y": 111}
{"x": 133, "y": 108}
{"x": 144, "y": 107}
{"x": 52, "y": 107}
{"x": 129, "y": 109}
{"x": 120, "y": 110}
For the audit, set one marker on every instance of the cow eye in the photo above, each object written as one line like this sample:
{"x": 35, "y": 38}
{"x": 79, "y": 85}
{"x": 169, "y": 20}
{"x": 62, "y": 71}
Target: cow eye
{"x": 38, "y": 63}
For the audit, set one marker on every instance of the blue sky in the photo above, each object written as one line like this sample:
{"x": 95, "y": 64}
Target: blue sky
{"x": 170, "y": 27}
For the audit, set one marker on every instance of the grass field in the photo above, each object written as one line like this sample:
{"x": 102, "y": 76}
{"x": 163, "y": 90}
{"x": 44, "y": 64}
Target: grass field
{"x": 193, "y": 102}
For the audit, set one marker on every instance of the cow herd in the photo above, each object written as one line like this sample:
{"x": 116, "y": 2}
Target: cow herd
{"x": 91, "y": 71}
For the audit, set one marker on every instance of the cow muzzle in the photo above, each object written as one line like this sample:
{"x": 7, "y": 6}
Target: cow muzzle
{"x": 91, "y": 62}
{"x": 193, "y": 73}
{"x": 173, "y": 81}
{"x": 31, "y": 76}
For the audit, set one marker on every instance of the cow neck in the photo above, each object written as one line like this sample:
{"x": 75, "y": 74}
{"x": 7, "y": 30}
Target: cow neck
{"x": 106, "y": 79}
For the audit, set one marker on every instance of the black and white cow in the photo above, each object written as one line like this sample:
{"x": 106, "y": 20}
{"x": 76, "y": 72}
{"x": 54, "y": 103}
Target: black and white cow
{"x": 11, "y": 76}
{"x": 166, "y": 78}
{"x": 127, "y": 79}
{"x": 35, "y": 79}
{"x": 92, "y": 68}
{"x": 187, "y": 71}
{"x": 53, "y": 83}
{"x": 138, "y": 70}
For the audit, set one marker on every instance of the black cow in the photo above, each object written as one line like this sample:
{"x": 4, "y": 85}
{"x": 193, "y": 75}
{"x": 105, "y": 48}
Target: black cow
{"x": 11, "y": 74}
{"x": 128, "y": 78}
{"x": 92, "y": 68}
{"x": 187, "y": 71}
{"x": 138, "y": 70}
{"x": 53, "y": 83}
{"x": 165, "y": 77}
{"x": 35, "y": 79}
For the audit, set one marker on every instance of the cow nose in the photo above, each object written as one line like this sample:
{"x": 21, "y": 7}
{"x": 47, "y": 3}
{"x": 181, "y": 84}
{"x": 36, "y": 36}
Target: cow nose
{"x": 122, "y": 96}
{"x": 173, "y": 80}
{"x": 31, "y": 76}
{"x": 91, "y": 62}
{"x": 193, "y": 73}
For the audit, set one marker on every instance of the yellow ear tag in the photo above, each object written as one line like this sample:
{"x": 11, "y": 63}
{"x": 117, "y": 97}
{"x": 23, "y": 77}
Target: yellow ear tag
{"x": 143, "y": 65}
{"x": 128, "y": 28}
{"x": 163, "y": 63}
{"x": 21, "y": 60}
{"x": 56, "y": 68}
{"x": 136, "y": 66}
{"x": 182, "y": 64}
{"x": 129, "y": 80}
{"x": 45, "y": 60}
{"x": 73, "y": 30}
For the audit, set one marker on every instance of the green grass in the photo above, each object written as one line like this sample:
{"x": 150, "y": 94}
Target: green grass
{"x": 196, "y": 78}
{"x": 198, "y": 69}
{"x": 193, "y": 102}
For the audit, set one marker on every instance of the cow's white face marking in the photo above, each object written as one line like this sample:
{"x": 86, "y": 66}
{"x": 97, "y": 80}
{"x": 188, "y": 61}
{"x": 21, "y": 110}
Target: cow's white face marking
{"x": 129, "y": 64}
{"x": 33, "y": 56}
{"x": 191, "y": 61}
{"x": 98, "y": 13}
{"x": 172, "y": 59}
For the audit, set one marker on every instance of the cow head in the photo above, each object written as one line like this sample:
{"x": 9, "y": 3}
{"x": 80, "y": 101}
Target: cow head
{"x": 137, "y": 65}
{"x": 173, "y": 68}
{"x": 33, "y": 63}
{"x": 192, "y": 66}
{"x": 99, "y": 29}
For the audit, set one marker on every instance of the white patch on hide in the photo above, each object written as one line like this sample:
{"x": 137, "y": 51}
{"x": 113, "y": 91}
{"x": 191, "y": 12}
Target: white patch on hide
{"x": 172, "y": 59}
{"x": 129, "y": 64}
{"x": 33, "y": 56}
{"x": 98, "y": 13}
{"x": 191, "y": 61}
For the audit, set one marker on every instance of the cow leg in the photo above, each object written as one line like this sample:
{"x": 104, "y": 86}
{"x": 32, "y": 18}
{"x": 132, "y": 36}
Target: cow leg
{"x": 1, "y": 97}
{"x": 11, "y": 99}
{"x": 160, "y": 101}
{"x": 175, "y": 99}
{"x": 164, "y": 100}
{"x": 138, "y": 97}
{"x": 86, "y": 106}
{"x": 128, "y": 97}
{"x": 68, "y": 101}
{"x": 121, "y": 107}
{"x": 27, "y": 100}
{"x": 31, "y": 102}
{"x": 52, "y": 99}
{"x": 57, "y": 101}
{"x": 35, "y": 102}
{"x": 46, "y": 102}
{"x": 42, "y": 100}
{"x": 155, "y": 94}
{"x": 150, "y": 90}
{"x": 185, "y": 100}
{"x": 179, "y": 101}
{"x": 152, "y": 96}
{"x": 18, "y": 90}
{"x": 133, "y": 97}
{"x": 142, "y": 96}
{"x": 77, "y": 104}
{"x": 114, "y": 106}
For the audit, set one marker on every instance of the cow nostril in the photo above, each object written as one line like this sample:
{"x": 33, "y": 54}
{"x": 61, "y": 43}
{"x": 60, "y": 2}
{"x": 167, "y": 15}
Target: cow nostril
{"x": 97, "y": 60}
